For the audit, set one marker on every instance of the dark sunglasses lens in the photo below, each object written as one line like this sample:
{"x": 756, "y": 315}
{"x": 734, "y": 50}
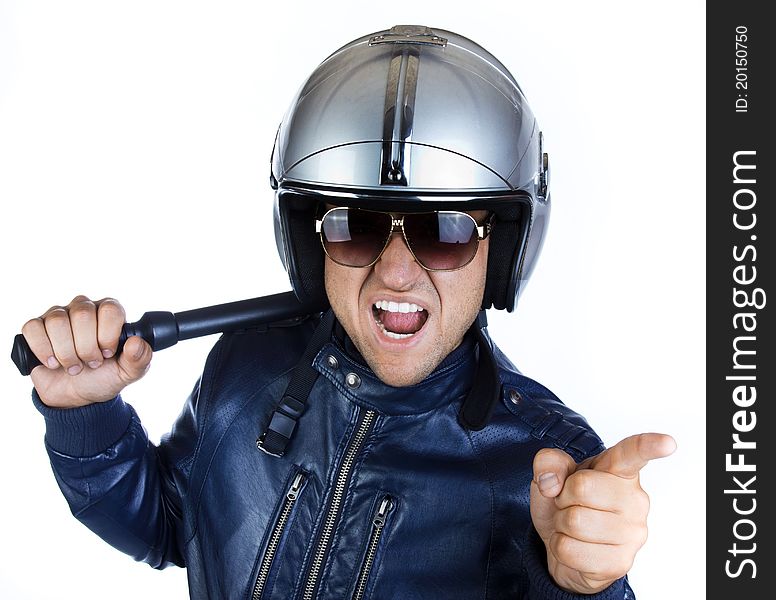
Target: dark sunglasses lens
{"x": 354, "y": 237}
{"x": 441, "y": 240}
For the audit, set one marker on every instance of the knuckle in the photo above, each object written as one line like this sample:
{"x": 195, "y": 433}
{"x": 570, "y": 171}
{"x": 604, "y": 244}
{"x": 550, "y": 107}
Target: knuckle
{"x": 574, "y": 518}
{"x": 81, "y": 308}
{"x": 81, "y": 314}
{"x": 639, "y": 503}
{"x": 621, "y": 565}
{"x": 642, "y": 535}
{"x": 110, "y": 307}
{"x": 80, "y": 299}
{"x": 561, "y": 547}
{"x": 55, "y": 315}
{"x": 611, "y": 571}
{"x": 645, "y": 502}
{"x": 580, "y": 483}
{"x": 32, "y": 326}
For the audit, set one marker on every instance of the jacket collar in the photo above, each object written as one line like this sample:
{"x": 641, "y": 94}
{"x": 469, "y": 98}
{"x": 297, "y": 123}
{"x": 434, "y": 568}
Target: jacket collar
{"x": 343, "y": 366}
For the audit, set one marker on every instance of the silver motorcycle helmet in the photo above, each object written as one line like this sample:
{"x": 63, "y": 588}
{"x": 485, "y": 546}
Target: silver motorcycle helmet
{"x": 412, "y": 119}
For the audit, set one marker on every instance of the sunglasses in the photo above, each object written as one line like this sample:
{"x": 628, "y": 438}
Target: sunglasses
{"x": 443, "y": 240}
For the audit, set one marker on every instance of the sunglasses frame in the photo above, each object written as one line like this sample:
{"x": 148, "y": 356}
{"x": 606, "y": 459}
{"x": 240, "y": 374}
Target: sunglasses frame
{"x": 397, "y": 222}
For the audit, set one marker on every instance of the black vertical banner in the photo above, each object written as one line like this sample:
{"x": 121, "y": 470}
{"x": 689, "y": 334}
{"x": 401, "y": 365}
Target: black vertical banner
{"x": 741, "y": 295}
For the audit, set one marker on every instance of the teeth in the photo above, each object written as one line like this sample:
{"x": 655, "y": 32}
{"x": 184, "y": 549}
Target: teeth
{"x": 402, "y": 307}
{"x": 397, "y": 336}
{"x": 391, "y": 334}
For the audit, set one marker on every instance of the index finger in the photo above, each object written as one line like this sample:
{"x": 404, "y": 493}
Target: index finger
{"x": 110, "y": 320}
{"x": 629, "y": 456}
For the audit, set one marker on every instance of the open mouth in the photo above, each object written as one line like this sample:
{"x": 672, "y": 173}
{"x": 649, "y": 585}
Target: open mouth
{"x": 399, "y": 320}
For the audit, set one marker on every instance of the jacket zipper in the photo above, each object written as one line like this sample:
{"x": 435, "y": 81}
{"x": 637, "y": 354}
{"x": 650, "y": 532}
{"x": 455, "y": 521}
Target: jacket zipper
{"x": 335, "y": 503}
{"x": 277, "y": 534}
{"x": 378, "y": 523}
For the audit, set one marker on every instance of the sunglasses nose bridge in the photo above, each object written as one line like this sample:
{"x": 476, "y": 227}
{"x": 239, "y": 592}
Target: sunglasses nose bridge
{"x": 397, "y": 223}
{"x": 397, "y": 228}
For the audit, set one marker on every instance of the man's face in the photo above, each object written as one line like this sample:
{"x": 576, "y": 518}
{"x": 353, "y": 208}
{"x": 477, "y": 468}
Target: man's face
{"x": 450, "y": 301}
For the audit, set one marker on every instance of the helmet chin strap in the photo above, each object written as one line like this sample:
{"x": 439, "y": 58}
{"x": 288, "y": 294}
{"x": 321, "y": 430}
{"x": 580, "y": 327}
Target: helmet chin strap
{"x": 285, "y": 417}
{"x": 486, "y": 388}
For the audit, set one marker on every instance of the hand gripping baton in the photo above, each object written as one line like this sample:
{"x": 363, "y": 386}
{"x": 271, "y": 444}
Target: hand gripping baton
{"x": 164, "y": 329}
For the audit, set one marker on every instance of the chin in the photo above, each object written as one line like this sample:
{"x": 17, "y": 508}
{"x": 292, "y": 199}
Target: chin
{"x": 402, "y": 371}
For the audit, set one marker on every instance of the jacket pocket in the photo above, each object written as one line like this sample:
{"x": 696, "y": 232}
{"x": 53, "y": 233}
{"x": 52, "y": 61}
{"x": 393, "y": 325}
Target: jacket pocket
{"x": 273, "y": 543}
{"x": 379, "y": 520}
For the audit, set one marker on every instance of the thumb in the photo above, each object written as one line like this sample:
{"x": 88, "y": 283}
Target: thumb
{"x": 551, "y": 467}
{"x": 134, "y": 359}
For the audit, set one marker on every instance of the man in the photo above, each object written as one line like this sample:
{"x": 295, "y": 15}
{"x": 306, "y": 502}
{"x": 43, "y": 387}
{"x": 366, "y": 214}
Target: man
{"x": 386, "y": 448}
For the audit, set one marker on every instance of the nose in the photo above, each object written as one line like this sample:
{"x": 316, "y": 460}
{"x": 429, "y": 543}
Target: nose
{"x": 396, "y": 267}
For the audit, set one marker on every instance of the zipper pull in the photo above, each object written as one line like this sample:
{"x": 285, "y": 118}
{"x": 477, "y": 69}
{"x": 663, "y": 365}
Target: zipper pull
{"x": 385, "y": 507}
{"x": 293, "y": 492}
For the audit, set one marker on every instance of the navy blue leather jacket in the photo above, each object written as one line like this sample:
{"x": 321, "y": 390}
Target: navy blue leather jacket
{"x": 381, "y": 494}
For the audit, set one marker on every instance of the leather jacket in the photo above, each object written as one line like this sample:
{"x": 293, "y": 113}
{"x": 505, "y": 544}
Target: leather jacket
{"x": 381, "y": 494}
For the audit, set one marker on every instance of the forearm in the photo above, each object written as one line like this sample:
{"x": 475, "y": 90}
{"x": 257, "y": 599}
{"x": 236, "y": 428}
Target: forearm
{"x": 113, "y": 480}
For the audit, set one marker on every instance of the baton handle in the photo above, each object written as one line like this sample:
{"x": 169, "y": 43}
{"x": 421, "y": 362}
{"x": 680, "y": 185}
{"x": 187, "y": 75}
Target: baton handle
{"x": 164, "y": 329}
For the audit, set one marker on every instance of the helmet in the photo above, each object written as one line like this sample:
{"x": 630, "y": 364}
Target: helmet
{"x": 412, "y": 119}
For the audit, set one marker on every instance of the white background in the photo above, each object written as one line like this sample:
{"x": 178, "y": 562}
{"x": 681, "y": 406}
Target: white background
{"x": 134, "y": 159}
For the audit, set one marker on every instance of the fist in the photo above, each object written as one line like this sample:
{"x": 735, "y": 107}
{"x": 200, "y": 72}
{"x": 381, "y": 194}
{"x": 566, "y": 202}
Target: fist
{"x": 592, "y": 516}
{"x": 77, "y": 346}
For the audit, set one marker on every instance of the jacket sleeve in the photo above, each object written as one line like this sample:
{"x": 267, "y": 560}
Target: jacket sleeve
{"x": 117, "y": 483}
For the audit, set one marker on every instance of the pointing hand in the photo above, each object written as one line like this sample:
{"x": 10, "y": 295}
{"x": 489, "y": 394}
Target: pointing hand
{"x": 592, "y": 516}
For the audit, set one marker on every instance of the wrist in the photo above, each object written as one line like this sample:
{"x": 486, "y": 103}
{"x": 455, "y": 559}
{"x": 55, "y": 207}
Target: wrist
{"x": 87, "y": 430}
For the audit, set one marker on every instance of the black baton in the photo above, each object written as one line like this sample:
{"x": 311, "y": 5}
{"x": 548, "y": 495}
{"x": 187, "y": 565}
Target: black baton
{"x": 164, "y": 329}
